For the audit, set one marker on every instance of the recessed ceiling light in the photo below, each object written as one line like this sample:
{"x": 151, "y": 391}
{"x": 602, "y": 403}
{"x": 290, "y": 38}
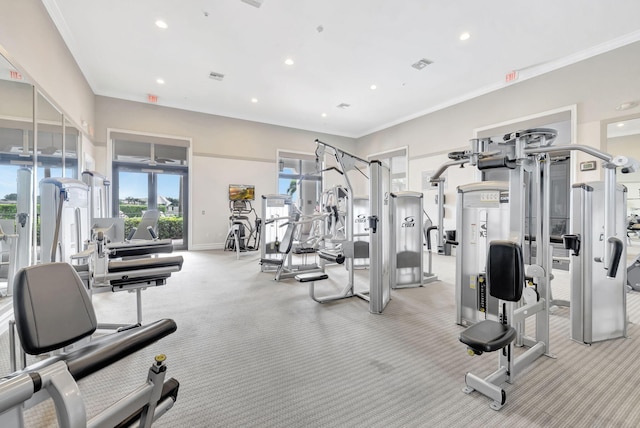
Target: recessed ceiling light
{"x": 621, "y": 124}
{"x": 373, "y": 87}
{"x": 160, "y": 81}
{"x": 465, "y": 36}
{"x": 254, "y": 100}
{"x": 160, "y": 23}
{"x": 254, "y": 3}
{"x": 288, "y": 61}
{"x": 627, "y": 106}
{"x": 324, "y": 114}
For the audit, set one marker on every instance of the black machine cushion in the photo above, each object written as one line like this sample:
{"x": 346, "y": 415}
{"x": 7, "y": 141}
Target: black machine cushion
{"x": 106, "y": 350}
{"x": 140, "y": 248}
{"x": 488, "y": 336}
{"x": 505, "y": 270}
{"x": 505, "y": 277}
{"x": 51, "y": 307}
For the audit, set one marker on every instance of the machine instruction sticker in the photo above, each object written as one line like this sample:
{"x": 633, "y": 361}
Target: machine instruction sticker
{"x": 490, "y": 197}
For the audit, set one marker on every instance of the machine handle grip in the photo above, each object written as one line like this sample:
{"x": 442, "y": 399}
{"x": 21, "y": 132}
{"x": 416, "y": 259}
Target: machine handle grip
{"x": 614, "y": 259}
{"x": 131, "y": 233}
{"x": 572, "y": 242}
{"x": 373, "y": 223}
{"x": 429, "y": 229}
{"x": 152, "y": 232}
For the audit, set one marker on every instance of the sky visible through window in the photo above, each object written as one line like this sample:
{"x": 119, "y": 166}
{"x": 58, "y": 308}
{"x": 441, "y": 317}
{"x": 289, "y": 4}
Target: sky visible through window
{"x": 134, "y": 184}
{"x": 131, "y": 184}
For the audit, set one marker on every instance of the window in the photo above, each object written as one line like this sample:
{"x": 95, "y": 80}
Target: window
{"x": 397, "y": 162}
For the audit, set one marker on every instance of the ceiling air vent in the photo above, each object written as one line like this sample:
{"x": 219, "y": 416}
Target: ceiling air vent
{"x": 343, "y": 106}
{"x": 255, "y": 3}
{"x": 216, "y": 76}
{"x": 422, "y": 64}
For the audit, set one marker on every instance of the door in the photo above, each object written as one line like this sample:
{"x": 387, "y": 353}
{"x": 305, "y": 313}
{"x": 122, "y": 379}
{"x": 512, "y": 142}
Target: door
{"x": 137, "y": 189}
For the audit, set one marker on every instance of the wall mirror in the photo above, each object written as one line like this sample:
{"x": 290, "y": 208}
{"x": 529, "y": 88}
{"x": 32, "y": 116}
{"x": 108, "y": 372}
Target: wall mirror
{"x": 623, "y": 137}
{"x": 36, "y": 141}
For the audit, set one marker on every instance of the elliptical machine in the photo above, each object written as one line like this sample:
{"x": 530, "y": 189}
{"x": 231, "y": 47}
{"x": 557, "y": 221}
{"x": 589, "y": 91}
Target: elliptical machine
{"x": 244, "y": 234}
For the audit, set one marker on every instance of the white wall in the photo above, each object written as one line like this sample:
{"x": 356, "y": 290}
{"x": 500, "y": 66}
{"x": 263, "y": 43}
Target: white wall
{"x": 31, "y": 42}
{"x": 209, "y": 203}
{"x": 595, "y": 85}
{"x": 629, "y": 146}
{"x": 224, "y": 151}
{"x": 455, "y": 176}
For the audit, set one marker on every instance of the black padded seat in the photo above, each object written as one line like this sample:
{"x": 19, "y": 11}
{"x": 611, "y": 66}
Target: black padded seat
{"x": 488, "y": 336}
{"x": 505, "y": 280}
{"x": 53, "y": 310}
{"x": 51, "y": 307}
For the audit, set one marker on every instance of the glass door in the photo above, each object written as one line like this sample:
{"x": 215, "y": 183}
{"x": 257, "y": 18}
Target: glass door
{"x": 300, "y": 178}
{"x": 151, "y": 173}
{"x": 138, "y": 189}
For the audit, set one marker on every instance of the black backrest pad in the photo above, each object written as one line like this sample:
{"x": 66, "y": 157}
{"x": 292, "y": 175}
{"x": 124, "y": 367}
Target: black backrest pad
{"x": 51, "y": 307}
{"x": 505, "y": 270}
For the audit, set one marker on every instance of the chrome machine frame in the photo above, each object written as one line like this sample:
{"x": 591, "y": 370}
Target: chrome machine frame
{"x": 379, "y": 228}
{"x": 531, "y": 149}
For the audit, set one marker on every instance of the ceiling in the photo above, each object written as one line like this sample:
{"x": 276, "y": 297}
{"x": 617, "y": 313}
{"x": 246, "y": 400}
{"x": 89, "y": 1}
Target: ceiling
{"x": 339, "y": 49}
{"x": 623, "y": 128}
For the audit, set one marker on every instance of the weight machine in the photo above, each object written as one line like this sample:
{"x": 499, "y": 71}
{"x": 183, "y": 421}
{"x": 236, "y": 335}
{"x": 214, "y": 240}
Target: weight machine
{"x": 281, "y": 233}
{"x": 379, "y": 222}
{"x": 274, "y": 208}
{"x": 99, "y": 195}
{"x": 104, "y": 262}
{"x": 527, "y": 159}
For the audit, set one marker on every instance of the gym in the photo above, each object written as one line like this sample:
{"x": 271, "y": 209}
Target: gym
{"x": 266, "y": 213}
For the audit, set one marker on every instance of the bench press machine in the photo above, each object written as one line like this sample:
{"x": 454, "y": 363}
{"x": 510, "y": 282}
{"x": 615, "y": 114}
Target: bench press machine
{"x": 53, "y": 311}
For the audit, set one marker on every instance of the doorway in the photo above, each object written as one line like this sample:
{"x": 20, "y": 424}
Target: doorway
{"x": 151, "y": 176}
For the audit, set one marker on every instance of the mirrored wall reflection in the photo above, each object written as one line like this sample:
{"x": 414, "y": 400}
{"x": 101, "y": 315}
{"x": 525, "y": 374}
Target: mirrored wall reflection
{"x": 47, "y": 140}
{"x": 623, "y": 138}
{"x": 16, "y": 161}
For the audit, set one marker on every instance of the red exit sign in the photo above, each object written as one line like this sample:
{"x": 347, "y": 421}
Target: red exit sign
{"x": 511, "y": 76}
{"x": 15, "y": 75}
{"x": 152, "y": 98}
